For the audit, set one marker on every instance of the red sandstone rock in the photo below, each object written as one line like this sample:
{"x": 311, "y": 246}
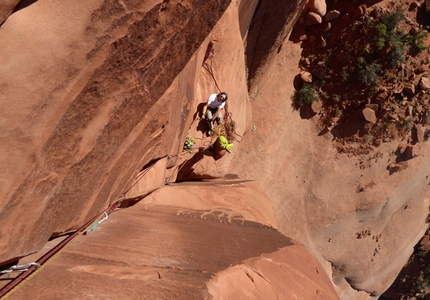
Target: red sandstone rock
{"x": 6, "y": 8}
{"x": 170, "y": 252}
{"x": 86, "y": 107}
{"x": 369, "y": 115}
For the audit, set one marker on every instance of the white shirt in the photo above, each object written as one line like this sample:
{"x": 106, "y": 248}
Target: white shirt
{"x": 214, "y": 103}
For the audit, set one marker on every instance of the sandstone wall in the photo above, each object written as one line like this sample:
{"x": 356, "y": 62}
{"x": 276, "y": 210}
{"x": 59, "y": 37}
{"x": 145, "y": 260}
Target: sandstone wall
{"x": 357, "y": 218}
{"x": 87, "y": 103}
{"x": 79, "y": 100}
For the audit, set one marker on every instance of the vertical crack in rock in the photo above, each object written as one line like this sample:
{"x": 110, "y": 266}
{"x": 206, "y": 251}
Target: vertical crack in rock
{"x": 271, "y": 25}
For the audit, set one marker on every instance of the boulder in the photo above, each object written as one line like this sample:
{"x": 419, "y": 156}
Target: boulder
{"x": 369, "y": 115}
{"x": 381, "y": 96}
{"x": 316, "y": 106}
{"x": 373, "y": 107}
{"x": 312, "y": 18}
{"x": 409, "y": 88}
{"x": 319, "y": 7}
{"x": 424, "y": 83}
{"x": 419, "y": 70}
{"x": 420, "y": 133}
{"x": 320, "y": 70}
{"x": 406, "y": 151}
{"x": 414, "y": 5}
{"x": 306, "y": 76}
{"x": 397, "y": 167}
{"x": 332, "y": 14}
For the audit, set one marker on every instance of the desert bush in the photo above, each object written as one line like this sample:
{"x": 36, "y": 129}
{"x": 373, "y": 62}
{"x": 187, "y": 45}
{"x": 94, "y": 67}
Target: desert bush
{"x": 386, "y": 31}
{"x": 306, "y": 94}
{"x": 392, "y": 19}
{"x": 416, "y": 41}
{"x": 407, "y": 123}
{"x": 367, "y": 73}
{"x": 344, "y": 75}
{"x": 189, "y": 144}
{"x": 380, "y": 35}
{"x": 397, "y": 54}
{"x": 368, "y": 138}
{"x": 336, "y": 98}
{"x": 422, "y": 282}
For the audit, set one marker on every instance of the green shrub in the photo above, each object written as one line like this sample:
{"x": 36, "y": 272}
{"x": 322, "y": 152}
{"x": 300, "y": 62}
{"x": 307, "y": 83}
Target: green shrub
{"x": 344, "y": 75}
{"x": 306, "y": 94}
{"x": 189, "y": 144}
{"x": 392, "y": 19}
{"x": 408, "y": 124}
{"x": 397, "y": 54}
{"x": 380, "y": 35}
{"x": 416, "y": 41}
{"x": 368, "y": 138}
{"x": 337, "y": 98}
{"x": 368, "y": 73}
{"x": 422, "y": 282}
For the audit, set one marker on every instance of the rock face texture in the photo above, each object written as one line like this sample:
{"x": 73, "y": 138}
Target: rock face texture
{"x": 6, "y": 8}
{"x": 83, "y": 92}
{"x": 96, "y": 110}
{"x": 103, "y": 105}
{"x": 164, "y": 253}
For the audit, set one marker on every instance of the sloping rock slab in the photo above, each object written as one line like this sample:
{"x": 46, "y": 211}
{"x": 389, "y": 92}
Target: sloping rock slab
{"x": 143, "y": 254}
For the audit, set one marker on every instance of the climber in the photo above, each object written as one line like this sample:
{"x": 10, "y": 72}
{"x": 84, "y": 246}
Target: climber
{"x": 212, "y": 109}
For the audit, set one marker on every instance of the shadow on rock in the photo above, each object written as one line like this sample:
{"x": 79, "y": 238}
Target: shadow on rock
{"x": 185, "y": 172}
{"x": 306, "y": 112}
{"x": 347, "y": 127}
{"x": 23, "y": 4}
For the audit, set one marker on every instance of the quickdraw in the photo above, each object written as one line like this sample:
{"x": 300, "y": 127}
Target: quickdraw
{"x": 19, "y": 268}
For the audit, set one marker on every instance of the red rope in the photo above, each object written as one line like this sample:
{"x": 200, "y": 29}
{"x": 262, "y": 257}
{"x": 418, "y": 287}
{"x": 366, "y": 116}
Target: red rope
{"x": 7, "y": 288}
{"x": 210, "y": 71}
{"x": 4, "y": 290}
{"x": 208, "y": 56}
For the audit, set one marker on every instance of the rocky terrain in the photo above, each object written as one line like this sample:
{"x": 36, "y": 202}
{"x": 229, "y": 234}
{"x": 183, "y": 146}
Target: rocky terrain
{"x": 324, "y": 196}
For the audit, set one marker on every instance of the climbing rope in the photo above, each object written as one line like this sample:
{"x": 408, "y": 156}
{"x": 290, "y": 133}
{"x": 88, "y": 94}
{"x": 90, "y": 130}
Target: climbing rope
{"x": 30, "y": 269}
{"x": 229, "y": 130}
